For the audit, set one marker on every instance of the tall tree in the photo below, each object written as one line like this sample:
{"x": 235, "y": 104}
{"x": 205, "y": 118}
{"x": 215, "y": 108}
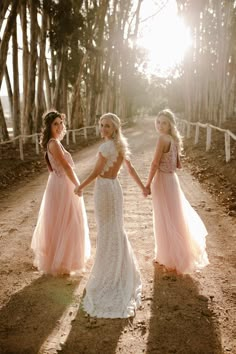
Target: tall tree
{"x": 30, "y": 107}
{"x": 16, "y": 92}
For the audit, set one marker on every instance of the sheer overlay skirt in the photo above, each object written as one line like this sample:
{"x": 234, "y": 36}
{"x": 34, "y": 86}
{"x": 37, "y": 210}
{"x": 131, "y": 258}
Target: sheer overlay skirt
{"x": 61, "y": 237}
{"x": 180, "y": 235}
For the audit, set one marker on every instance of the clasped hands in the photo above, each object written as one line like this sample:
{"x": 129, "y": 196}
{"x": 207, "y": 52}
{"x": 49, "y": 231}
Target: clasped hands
{"x": 146, "y": 191}
{"x": 78, "y": 191}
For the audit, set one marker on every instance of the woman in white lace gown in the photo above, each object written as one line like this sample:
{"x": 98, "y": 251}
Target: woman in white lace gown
{"x": 114, "y": 287}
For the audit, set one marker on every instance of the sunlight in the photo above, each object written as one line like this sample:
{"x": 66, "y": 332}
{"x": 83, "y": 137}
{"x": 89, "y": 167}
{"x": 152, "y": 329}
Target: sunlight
{"x": 165, "y": 38}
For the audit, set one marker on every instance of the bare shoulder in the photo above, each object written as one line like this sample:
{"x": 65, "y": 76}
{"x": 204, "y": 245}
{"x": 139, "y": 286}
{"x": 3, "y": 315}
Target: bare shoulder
{"x": 164, "y": 140}
{"x": 53, "y": 145}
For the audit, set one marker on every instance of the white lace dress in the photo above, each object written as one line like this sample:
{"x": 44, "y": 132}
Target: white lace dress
{"x": 114, "y": 287}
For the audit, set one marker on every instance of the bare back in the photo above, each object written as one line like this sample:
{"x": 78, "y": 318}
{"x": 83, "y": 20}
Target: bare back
{"x": 114, "y": 159}
{"x": 114, "y": 169}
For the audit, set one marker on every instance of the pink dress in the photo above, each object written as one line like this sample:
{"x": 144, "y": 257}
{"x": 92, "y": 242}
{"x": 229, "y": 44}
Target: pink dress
{"x": 180, "y": 235}
{"x": 60, "y": 241}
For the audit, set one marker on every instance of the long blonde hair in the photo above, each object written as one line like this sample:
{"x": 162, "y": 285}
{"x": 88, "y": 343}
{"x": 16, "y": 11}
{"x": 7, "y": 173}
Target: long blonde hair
{"x": 118, "y": 137}
{"x": 173, "y": 128}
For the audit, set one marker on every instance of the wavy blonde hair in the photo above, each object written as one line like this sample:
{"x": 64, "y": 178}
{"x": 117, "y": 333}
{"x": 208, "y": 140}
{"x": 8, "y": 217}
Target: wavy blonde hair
{"x": 173, "y": 128}
{"x": 119, "y": 139}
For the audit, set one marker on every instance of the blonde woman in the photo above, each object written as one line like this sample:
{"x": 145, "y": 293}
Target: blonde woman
{"x": 114, "y": 287}
{"x": 179, "y": 232}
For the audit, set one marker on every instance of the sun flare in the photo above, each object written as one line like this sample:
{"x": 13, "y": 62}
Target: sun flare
{"x": 166, "y": 40}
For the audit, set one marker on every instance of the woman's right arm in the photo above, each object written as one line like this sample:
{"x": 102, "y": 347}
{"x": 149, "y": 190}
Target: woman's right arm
{"x": 58, "y": 155}
{"x": 156, "y": 160}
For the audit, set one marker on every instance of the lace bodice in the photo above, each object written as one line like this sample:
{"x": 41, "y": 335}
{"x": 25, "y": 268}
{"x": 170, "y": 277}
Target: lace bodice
{"x": 56, "y": 166}
{"x": 109, "y": 151}
{"x": 168, "y": 162}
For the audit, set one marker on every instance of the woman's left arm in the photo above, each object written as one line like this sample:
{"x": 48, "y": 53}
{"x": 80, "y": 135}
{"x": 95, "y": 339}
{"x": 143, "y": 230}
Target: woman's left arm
{"x": 133, "y": 173}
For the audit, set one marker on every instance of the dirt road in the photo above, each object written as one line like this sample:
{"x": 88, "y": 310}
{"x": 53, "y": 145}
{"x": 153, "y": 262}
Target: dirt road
{"x": 194, "y": 314}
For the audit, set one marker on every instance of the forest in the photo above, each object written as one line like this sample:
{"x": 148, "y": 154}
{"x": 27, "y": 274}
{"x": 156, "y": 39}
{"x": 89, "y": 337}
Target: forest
{"x": 82, "y": 57}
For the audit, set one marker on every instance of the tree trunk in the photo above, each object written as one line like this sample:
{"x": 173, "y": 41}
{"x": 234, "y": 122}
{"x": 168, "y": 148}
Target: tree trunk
{"x": 30, "y": 108}
{"x": 40, "y": 108}
{"x": 25, "y": 65}
{"x": 5, "y": 40}
{"x": 48, "y": 86}
{"x": 16, "y": 95}
{"x": 3, "y": 9}
{"x": 9, "y": 90}
{"x": 3, "y": 127}
{"x": 57, "y": 91}
{"x": 77, "y": 120}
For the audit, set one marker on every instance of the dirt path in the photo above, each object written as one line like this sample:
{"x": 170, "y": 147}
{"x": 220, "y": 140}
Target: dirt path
{"x": 180, "y": 314}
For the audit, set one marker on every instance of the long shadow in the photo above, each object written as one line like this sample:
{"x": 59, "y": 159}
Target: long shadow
{"x": 31, "y": 314}
{"x": 93, "y": 336}
{"x": 181, "y": 321}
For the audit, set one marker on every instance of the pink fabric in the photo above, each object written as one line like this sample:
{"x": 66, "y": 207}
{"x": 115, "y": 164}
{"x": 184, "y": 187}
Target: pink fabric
{"x": 180, "y": 235}
{"x": 61, "y": 239}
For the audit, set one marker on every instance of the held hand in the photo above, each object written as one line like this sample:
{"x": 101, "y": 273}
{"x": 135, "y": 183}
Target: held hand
{"x": 148, "y": 188}
{"x": 146, "y": 192}
{"x": 78, "y": 191}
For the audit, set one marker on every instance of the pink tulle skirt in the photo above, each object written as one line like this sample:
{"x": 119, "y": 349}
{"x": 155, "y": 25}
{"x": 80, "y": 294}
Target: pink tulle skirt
{"x": 180, "y": 234}
{"x": 61, "y": 238}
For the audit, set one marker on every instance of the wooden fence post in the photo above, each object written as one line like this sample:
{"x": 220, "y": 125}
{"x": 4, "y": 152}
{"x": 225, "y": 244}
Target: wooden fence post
{"x": 85, "y": 133}
{"x": 196, "y": 134}
{"x": 21, "y": 148}
{"x": 227, "y": 147}
{"x": 188, "y": 129}
{"x": 73, "y": 137}
{"x": 208, "y": 138}
{"x": 37, "y": 144}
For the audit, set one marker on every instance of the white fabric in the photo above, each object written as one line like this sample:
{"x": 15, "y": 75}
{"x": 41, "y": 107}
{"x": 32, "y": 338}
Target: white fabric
{"x": 109, "y": 151}
{"x": 114, "y": 287}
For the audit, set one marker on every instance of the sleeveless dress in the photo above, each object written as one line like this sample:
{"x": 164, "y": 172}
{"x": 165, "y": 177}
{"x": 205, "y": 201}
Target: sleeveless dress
{"x": 114, "y": 287}
{"x": 180, "y": 235}
{"x": 60, "y": 241}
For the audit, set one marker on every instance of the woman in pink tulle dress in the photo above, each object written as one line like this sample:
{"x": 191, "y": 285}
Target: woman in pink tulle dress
{"x": 179, "y": 232}
{"x": 61, "y": 239}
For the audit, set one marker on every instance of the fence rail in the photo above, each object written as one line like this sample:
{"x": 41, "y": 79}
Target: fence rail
{"x": 184, "y": 125}
{"x": 82, "y": 131}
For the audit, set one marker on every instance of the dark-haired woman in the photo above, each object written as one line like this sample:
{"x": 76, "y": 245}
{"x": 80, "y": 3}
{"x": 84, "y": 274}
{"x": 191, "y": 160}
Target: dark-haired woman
{"x": 61, "y": 239}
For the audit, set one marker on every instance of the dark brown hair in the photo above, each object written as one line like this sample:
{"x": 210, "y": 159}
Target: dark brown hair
{"x": 48, "y": 119}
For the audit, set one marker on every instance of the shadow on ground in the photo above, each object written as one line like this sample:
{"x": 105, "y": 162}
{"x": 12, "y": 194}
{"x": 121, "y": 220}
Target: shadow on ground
{"x": 24, "y": 320}
{"x": 93, "y": 336}
{"x": 181, "y": 321}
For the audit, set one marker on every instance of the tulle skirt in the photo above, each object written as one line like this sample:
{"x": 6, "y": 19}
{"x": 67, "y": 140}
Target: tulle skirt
{"x": 114, "y": 287}
{"x": 60, "y": 241}
{"x": 180, "y": 234}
